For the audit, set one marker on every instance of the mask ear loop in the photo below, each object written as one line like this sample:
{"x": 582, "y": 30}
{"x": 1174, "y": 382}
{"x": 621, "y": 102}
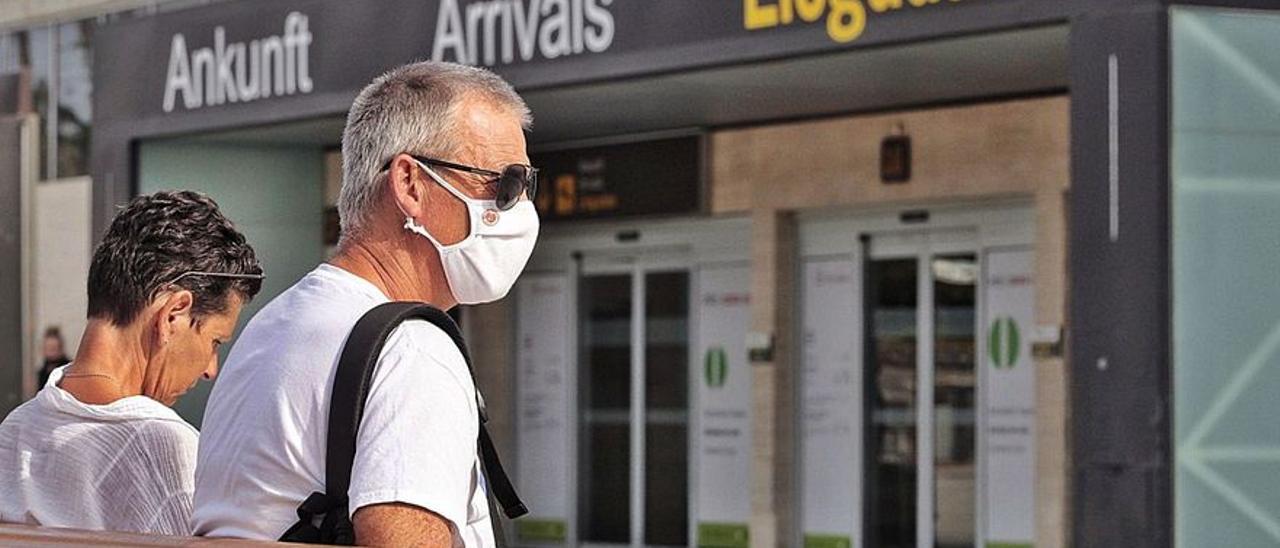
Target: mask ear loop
{"x": 412, "y": 225}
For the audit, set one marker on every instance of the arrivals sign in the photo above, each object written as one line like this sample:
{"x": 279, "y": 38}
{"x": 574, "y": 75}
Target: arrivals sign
{"x": 1009, "y": 417}
{"x": 509, "y": 31}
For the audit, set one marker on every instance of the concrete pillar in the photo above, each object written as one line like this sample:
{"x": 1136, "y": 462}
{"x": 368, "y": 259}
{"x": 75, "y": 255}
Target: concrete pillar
{"x": 774, "y": 466}
{"x": 1052, "y": 402}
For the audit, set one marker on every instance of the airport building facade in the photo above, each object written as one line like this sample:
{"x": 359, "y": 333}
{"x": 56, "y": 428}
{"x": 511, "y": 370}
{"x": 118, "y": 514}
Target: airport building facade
{"x": 812, "y": 273}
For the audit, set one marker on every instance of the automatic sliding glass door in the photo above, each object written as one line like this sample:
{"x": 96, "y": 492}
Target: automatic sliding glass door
{"x": 666, "y": 417}
{"x": 604, "y": 484}
{"x": 955, "y": 393}
{"x": 921, "y": 393}
{"x": 634, "y": 407}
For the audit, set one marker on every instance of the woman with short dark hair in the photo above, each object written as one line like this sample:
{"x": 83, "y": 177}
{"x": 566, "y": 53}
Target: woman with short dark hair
{"x": 55, "y": 353}
{"x": 100, "y": 447}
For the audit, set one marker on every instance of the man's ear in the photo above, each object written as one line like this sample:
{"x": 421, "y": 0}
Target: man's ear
{"x": 404, "y": 183}
{"x": 174, "y": 313}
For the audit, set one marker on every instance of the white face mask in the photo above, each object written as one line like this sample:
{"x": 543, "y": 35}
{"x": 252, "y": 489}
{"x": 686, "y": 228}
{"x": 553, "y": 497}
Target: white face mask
{"x": 483, "y": 266}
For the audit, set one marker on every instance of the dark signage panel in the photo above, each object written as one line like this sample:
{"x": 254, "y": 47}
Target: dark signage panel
{"x": 278, "y": 52}
{"x": 649, "y": 178}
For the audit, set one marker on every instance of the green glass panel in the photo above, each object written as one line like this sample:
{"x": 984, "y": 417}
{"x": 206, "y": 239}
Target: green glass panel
{"x": 1226, "y": 253}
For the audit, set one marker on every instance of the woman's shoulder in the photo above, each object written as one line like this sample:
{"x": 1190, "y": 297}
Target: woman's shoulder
{"x": 166, "y": 432}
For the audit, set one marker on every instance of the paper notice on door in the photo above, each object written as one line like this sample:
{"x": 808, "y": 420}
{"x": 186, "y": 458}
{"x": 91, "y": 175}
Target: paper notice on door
{"x": 723, "y": 378}
{"x": 829, "y": 415}
{"x": 1009, "y": 415}
{"x": 542, "y": 399}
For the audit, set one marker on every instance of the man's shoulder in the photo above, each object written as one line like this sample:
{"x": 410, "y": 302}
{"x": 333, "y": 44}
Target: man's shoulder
{"x": 424, "y": 339}
{"x": 308, "y": 320}
{"x": 421, "y": 349}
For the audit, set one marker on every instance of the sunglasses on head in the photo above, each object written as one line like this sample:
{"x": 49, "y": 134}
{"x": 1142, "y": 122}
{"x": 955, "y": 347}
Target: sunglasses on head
{"x": 512, "y": 181}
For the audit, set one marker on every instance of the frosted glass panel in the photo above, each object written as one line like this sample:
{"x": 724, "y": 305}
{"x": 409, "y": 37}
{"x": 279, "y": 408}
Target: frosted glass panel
{"x": 274, "y": 195}
{"x": 1226, "y": 276}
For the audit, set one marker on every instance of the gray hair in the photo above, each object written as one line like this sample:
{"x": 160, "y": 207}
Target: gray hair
{"x": 410, "y": 109}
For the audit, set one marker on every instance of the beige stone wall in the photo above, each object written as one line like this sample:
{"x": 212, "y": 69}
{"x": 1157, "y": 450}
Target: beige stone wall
{"x": 973, "y": 152}
{"x": 1052, "y": 396}
{"x": 960, "y": 154}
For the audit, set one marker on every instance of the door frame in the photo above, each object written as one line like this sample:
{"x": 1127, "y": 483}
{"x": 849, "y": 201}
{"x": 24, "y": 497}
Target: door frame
{"x": 919, "y": 233}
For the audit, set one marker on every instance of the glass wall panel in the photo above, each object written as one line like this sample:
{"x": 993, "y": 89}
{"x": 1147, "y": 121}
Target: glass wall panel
{"x": 75, "y": 86}
{"x": 35, "y": 52}
{"x": 1226, "y": 256}
{"x": 274, "y": 195}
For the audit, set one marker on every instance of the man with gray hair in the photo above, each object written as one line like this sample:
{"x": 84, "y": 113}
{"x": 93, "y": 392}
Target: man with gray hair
{"x": 435, "y": 208}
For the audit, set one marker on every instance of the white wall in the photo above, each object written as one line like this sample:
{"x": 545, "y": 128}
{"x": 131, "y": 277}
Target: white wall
{"x": 60, "y": 261}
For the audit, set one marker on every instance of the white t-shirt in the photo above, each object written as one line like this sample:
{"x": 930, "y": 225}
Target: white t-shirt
{"x": 126, "y": 466}
{"x": 266, "y": 424}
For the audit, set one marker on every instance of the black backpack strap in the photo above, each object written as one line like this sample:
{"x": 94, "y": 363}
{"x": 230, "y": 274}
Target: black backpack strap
{"x": 351, "y": 385}
{"x": 499, "y": 482}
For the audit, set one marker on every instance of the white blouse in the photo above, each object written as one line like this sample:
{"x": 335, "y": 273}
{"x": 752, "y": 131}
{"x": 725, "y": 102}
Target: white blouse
{"x": 126, "y": 466}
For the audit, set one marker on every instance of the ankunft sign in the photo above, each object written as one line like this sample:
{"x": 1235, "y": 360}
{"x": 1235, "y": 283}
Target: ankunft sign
{"x": 238, "y": 71}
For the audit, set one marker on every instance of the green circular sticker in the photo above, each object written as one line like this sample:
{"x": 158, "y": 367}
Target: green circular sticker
{"x": 1004, "y": 343}
{"x": 716, "y": 367}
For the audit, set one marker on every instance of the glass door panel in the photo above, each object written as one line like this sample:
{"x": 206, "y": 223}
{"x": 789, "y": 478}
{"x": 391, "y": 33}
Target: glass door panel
{"x": 954, "y": 398}
{"x": 604, "y": 492}
{"x": 891, "y": 376}
{"x": 634, "y": 408}
{"x": 666, "y": 424}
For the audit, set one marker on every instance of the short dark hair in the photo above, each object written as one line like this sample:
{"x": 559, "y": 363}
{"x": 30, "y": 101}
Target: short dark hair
{"x": 53, "y": 332}
{"x": 158, "y": 237}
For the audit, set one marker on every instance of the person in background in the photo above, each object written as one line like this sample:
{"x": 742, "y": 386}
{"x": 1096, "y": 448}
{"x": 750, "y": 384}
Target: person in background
{"x": 55, "y": 353}
{"x": 99, "y": 447}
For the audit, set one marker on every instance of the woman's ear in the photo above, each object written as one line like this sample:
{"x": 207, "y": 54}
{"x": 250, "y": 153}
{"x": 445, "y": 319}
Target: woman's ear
{"x": 174, "y": 314}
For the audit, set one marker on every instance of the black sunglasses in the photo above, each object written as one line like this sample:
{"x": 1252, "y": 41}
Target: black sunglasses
{"x": 512, "y": 181}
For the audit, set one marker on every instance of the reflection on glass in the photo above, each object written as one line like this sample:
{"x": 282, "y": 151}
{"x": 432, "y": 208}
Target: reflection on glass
{"x": 604, "y": 499}
{"x": 954, "y": 392}
{"x": 75, "y": 84}
{"x": 891, "y": 399}
{"x": 34, "y": 47}
{"x": 666, "y": 425}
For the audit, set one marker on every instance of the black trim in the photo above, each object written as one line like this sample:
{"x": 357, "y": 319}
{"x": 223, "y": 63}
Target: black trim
{"x": 870, "y": 492}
